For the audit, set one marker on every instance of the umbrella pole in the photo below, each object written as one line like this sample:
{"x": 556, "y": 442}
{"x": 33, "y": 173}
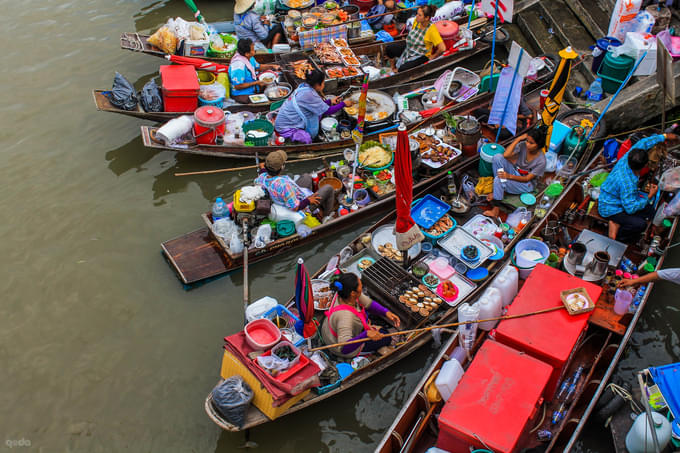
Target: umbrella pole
{"x": 507, "y": 98}
{"x": 493, "y": 45}
{"x": 354, "y": 172}
{"x": 245, "y": 269}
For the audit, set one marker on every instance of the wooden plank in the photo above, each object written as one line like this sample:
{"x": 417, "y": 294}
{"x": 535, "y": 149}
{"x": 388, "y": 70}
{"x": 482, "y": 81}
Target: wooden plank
{"x": 195, "y": 256}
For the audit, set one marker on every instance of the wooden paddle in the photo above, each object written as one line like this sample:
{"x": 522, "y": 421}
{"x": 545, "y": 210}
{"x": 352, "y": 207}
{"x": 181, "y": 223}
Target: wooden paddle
{"x": 250, "y": 167}
{"x": 441, "y": 326}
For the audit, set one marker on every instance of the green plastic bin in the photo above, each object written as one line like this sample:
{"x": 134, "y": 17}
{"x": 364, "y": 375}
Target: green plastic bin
{"x": 614, "y": 70}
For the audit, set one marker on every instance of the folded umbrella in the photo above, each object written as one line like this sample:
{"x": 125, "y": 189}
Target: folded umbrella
{"x": 198, "y": 63}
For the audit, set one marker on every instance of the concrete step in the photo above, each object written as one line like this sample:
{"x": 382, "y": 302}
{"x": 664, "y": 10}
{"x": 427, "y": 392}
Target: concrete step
{"x": 537, "y": 30}
{"x": 517, "y": 35}
{"x": 594, "y": 17}
{"x": 570, "y": 31}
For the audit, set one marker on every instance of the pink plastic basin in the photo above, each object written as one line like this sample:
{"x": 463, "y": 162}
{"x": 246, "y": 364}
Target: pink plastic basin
{"x": 262, "y": 334}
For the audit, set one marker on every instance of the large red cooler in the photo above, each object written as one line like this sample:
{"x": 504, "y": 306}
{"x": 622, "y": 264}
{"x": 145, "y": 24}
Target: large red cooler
{"x": 180, "y": 88}
{"x": 448, "y": 30}
{"x": 495, "y": 401}
{"x": 550, "y": 337}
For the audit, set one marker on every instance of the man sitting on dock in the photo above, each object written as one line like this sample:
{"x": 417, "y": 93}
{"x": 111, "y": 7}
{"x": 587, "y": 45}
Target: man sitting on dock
{"x": 294, "y": 195}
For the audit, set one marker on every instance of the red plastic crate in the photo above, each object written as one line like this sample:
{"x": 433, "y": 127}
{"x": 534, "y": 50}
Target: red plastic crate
{"x": 550, "y": 337}
{"x": 496, "y": 400}
{"x": 180, "y": 88}
{"x": 303, "y": 362}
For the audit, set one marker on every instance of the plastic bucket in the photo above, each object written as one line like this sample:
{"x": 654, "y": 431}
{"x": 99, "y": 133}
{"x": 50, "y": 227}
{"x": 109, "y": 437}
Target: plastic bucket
{"x": 486, "y": 155}
{"x": 602, "y": 46}
{"x": 361, "y": 197}
{"x": 526, "y": 266}
{"x": 613, "y": 71}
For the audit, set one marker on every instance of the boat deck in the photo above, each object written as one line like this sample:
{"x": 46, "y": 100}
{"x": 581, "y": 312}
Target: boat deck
{"x": 195, "y": 256}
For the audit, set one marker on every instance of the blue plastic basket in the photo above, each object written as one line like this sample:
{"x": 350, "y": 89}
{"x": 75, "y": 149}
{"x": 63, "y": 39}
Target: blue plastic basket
{"x": 433, "y": 239}
{"x": 344, "y": 369}
{"x": 284, "y": 313}
{"x": 428, "y": 210}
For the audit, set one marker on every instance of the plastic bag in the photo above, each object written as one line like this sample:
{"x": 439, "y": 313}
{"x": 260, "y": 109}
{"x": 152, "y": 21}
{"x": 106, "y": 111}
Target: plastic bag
{"x": 225, "y": 227}
{"x": 165, "y": 39}
{"x": 263, "y": 236}
{"x": 670, "y": 180}
{"x": 150, "y": 97}
{"x": 265, "y": 7}
{"x": 673, "y": 207}
{"x": 235, "y": 244}
{"x": 273, "y": 364}
{"x": 123, "y": 94}
{"x": 212, "y": 92}
{"x": 231, "y": 398}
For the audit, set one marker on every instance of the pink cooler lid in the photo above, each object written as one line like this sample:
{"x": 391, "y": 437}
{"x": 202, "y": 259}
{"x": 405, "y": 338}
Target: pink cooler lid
{"x": 208, "y": 116}
{"x": 447, "y": 28}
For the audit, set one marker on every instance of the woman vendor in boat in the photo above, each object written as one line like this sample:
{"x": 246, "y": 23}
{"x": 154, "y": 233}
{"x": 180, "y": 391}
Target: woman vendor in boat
{"x": 516, "y": 169}
{"x": 294, "y": 195}
{"x": 299, "y": 116}
{"x": 422, "y": 44}
{"x": 252, "y": 26}
{"x": 243, "y": 71}
{"x": 347, "y": 319}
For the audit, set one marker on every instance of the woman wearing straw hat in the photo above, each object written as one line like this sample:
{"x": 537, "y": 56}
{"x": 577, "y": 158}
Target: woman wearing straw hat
{"x": 252, "y": 26}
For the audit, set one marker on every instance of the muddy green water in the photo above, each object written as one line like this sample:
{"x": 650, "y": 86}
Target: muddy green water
{"x": 101, "y": 349}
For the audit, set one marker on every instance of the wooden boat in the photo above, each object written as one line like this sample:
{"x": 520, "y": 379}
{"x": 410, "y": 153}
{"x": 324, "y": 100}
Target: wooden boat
{"x": 200, "y": 255}
{"x": 601, "y": 346}
{"x": 255, "y": 417}
{"x": 319, "y": 148}
{"x": 428, "y": 70}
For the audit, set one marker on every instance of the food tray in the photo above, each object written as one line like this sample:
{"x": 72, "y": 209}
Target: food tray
{"x": 428, "y": 211}
{"x": 565, "y": 296}
{"x": 438, "y": 142}
{"x": 297, "y": 4}
{"x": 258, "y": 98}
{"x": 459, "y": 238}
{"x": 347, "y": 72}
{"x": 385, "y": 234}
{"x": 464, "y": 284}
{"x": 351, "y": 265}
{"x": 480, "y": 225}
{"x": 351, "y": 61}
{"x": 433, "y": 237}
{"x": 282, "y": 377}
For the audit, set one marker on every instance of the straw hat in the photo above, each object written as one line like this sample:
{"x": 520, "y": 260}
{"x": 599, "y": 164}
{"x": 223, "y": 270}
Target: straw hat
{"x": 243, "y": 5}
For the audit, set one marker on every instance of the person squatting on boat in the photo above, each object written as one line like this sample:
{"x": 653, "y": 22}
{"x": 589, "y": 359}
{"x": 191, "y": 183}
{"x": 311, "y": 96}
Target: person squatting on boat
{"x": 294, "y": 195}
{"x": 422, "y": 44}
{"x": 515, "y": 170}
{"x": 243, "y": 69}
{"x": 251, "y": 25}
{"x": 299, "y": 116}
{"x": 627, "y": 209}
{"x": 347, "y": 319}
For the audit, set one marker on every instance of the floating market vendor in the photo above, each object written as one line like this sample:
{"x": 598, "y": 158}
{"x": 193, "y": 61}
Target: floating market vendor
{"x": 627, "y": 209}
{"x": 294, "y": 195}
{"x": 515, "y": 170}
{"x": 347, "y": 319}
{"x": 243, "y": 72}
{"x": 422, "y": 44}
{"x": 252, "y": 26}
{"x": 383, "y": 6}
{"x": 299, "y": 116}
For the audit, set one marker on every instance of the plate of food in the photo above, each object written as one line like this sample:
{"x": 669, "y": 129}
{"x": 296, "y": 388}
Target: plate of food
{"x": 339, "y": 42}
{"x": 352, "y": 111}
{"x": 268, "y": 77}
{"x": 375, "y": 156}
{"x": 384, "y": 242}
{"x": 298, "y": 4}
{"x": 327, "y": 54}
{"x": 300, "y": 68}
{"x": 258, "y": 98}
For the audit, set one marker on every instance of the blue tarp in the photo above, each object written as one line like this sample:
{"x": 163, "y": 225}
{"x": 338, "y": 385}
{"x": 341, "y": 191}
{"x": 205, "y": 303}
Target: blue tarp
{"x": 667, "y": 378}
{"x": 506, "y": 102}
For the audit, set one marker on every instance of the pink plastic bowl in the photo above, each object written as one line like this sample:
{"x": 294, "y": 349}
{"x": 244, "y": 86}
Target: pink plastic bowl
{"x": 262, "y": 334}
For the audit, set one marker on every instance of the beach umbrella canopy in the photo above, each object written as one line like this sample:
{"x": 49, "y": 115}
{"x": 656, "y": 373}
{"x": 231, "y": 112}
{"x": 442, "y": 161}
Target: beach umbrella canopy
{"x": 557, "y": 88}
{"x": 304, "y": 301}
{"x": 407, "y": 232}
{"x": 198, "y": 63}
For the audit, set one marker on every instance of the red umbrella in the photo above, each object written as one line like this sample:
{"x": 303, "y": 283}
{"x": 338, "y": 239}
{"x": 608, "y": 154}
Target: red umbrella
{"x": 407, "y": 232}
{"x": 198, "y": 63}
{"x": 304, "y": 301}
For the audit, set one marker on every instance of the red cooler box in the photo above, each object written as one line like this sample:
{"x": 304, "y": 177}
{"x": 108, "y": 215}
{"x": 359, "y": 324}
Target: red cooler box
{"x": 497, "y": 400}
{"x": 180, "y": 88}
{"x": 550, "y": 337}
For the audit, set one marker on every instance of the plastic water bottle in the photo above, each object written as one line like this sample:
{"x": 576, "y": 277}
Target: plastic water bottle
{"x": 219, "y": 209}
{"x": 468, "y": 332}
{"x": 595, "y": 91}
{"x": 451, "y": 184}
{"x": 637, "y": 299}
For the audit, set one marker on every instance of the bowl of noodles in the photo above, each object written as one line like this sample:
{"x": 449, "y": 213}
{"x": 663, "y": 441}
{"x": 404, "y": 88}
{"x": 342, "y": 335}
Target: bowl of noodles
{"x": 375, "y": 156}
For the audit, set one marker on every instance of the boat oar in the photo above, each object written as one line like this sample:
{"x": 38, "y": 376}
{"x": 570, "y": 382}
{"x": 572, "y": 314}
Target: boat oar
{"x": 250, "y": 167}
{"x": 245, "y": 269}
{"x": 441, "y": 326}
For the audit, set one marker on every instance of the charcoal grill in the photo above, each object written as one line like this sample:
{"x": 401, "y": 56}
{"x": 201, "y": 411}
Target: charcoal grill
{"x": 386, "y": 281}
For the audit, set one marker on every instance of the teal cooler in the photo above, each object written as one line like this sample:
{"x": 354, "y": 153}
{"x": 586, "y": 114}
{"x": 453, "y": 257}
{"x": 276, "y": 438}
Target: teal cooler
{"x": 486, "y": 154}
{"x": 614, "y": 70}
